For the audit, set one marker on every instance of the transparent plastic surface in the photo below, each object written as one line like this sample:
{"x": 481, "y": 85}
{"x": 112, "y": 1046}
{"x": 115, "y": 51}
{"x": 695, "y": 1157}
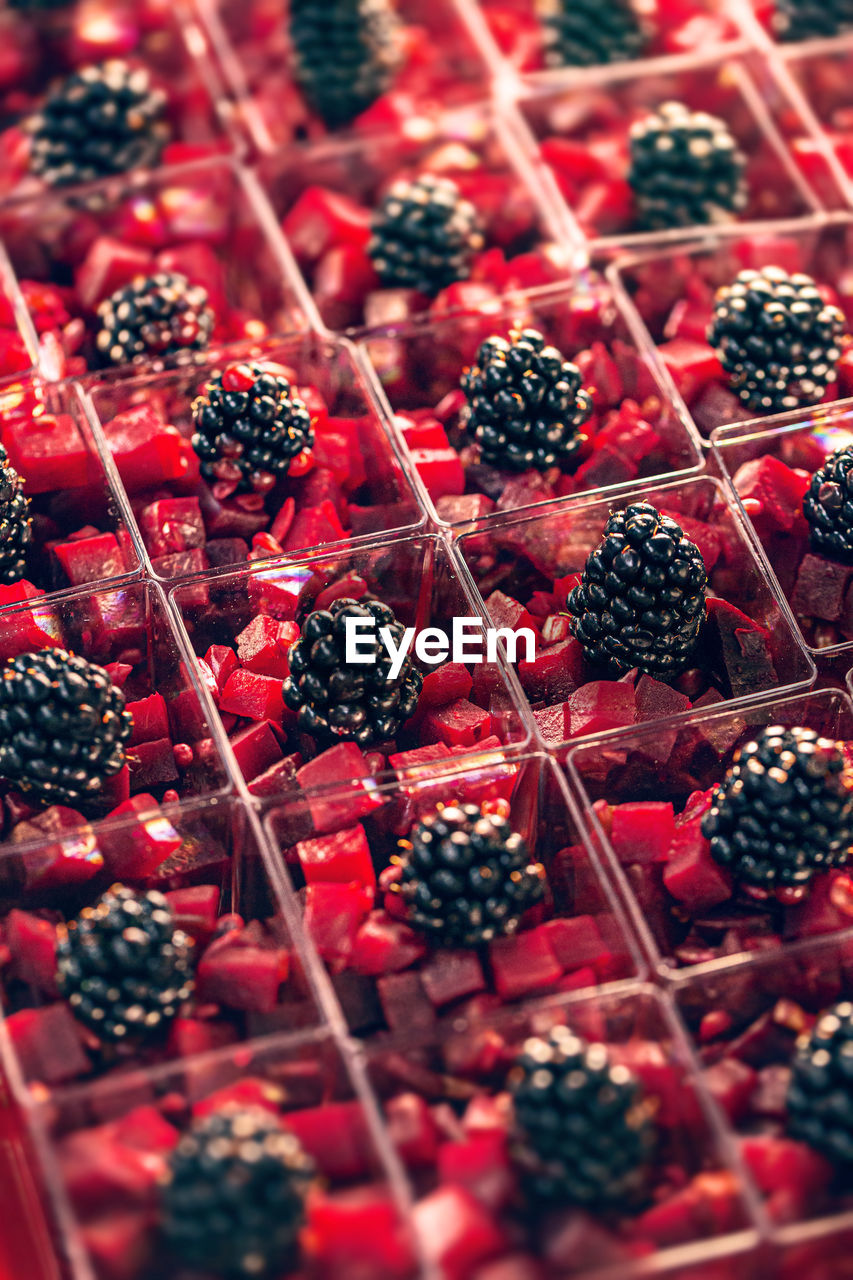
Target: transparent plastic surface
{"x": 644, "y": 793}
{"x": 633, "y": 433}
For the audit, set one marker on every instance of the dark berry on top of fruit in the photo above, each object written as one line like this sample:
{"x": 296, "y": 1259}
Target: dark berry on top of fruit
{"x": 63, "y": 726}
{"x": 425, "y": 234}
{"x": 466, "y": 876}
{"x": 154, "y": 317}
{"x": 776, "y": 338}
{"x": 123, "y": 966}
{"x": 526, "y": 404}
{"x": 590, "y": 33}
{"x": 784, "y": 811}
{"x": 101, "y": 120}
{"x": 828, "y": 507}
{"x": 820, "y": 1093}
{"x": 233, "y": 1198}
{"x": 811, "y": 19}
{"x": 640, "y": 602}
{"x": 338, "y": 701}
{"x": 249, "y": 426}
{"x": 686, "y": 168}
{"x": 346, "y": 54}
{"x": 15, "y": 522}
{"x": 584, "y": 1131}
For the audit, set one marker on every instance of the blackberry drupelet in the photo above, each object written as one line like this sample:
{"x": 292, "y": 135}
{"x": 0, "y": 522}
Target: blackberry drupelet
{"x": 686, "y": 168}
{"x": 640, "y": 602}
{"x": 15, "y": 522}
{"x": 152, "y": 317}
{"x": 776, "y": 338}
{"x": 101, "y": 120}
{"x": 123, "y": 967}
{"x": 828, "y": 507}
{"x": 784, "y": 811}
{"x": 820, "y": 1093}
{"x": 346, "y": 54}
{"x": 63, "y": 726}
{"x": 233, "y": 1198}
{"x": 424, "y": 235}
{"x": 249, "y": 426}
{"x": 584, "y": 1131}
{"x": 811, "y": 19}
{"x": 584, "y": 33}
{"x": 467, "y": 877}
{"x": 340, "y": 702}
{"x": 526, "y": 405}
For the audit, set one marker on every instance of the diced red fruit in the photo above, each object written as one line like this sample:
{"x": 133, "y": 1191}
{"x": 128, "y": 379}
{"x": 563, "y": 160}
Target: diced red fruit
{"x": 196, "y": 909}
{"x": 692, "y": 366}
{"x": 412, "y": 1129}
{"x": 451, "y": 682}
{"x": 440, "y": 470}
{"x": 357, "y": 1232}
{"x": 135, "y": 849}
{"x": 781, "y": 1164}
{"x": 118, "y": 1243}
{"x": 170, "y": 525}
{"x": 254, "y": 696}
{"x": 222, "y": 660}
{"x": 147, "y": 451}
{"x": 152, "y": 763}
{"x": 577, "y": 943}
{"x": 691, "y": 874}
{"x": 385, "y": 945}
{"x": 51, "y": 453}
{"x": 344, "y": 764}
{"x": 481, "y": 1164}
{"x": 109, "y": 265}
{"x": 241, "y": 976}
{"x": 461, "y": 723}
{"x": 48, "y": 1044}
{"x": 404, "y": 1002}
{"x": 601, "y": 705}
{"x": 32, "y": 942}
{"x": 642, "y": 831}
{"x": 264, "y": 644}
{"x": 150, "y": 719}
{"x": 322, "y": 219}
{"x": 523, "y": 963}
{"x": 256, "y": 749}
{"x": 555, "y": 673}
{"x": 333, "y": 915}
{"x": 779, "y": 489}
{"x": 820, "y": 588}
{"x": 456, "y": 1233}
{"x": 339, "y": 858}
{"x": 93, "y": 559}
{"x": 452, "y": 975}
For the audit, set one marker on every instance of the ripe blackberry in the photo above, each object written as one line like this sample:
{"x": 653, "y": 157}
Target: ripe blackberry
{"x": 249, "y": 426}
{"x": 101, "y": 120}
{"x": 583, "y": 33}
{"x": 810, "y": 19}
{"x": 526, "y": 405}
{"x": 467, "y": 877}
{"x": 828, "y": 507}
{"x": 776, "y": 338}
{"x": 346, "y": 54}
{"x": 784, "y": 811}
{"x": 152, "y": 317}
{"x": 424, "y": 235}
{"x": 15, "y": 522}
{"x": 233, "y": 1198}
{"x": 341, "y": 702}
{"x": 63, "y": 726}
{"x": 820, "y": 1093}
{"x": 123, "y": 967}
{"x": 640, "y": 602}
{"x": 584, "y": 1132}
{"x": 686, "y": 168}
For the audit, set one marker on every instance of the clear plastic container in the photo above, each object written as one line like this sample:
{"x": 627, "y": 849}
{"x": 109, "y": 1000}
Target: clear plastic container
{"x": 421, "y": 364}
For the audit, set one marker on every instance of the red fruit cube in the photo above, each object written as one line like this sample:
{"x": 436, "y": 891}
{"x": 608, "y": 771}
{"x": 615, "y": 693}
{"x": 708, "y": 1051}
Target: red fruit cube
{"x": 691, "y": 874}
{"x": 264, "y": 644}
{"x": 741, "y": 646}
{"x": 481, "y": 1164}
{"x": 171, "y": 525}
{"x": 692, "y": 366}
{"x": 820, "y": 588}
{"x": 32, "y": 942}
{"x": 555, "y": 673}
{"x": 601, "y": 705}
{"x": 51, "y": 453}
{"x": 456, "y": 1232}
{"x": 73, "y": 859}
{"x": 152, "y": 763}
{"x": 337, "y": 1136}
{"x": 239, "y": 976}
{"x": 196, "y": 909}
{"x": 48, "y": 1043}
{"x": 150, "y": 719}
{"x": 313, "y": 527}
{"x": 777, "y": 489}
{"x": 344, "y": 764}
{"x": 404, "y": 1002}
{"x": 135, "y": 849}
{"x": 339, "y": 858}
{"x": 523, "y": 963}
{"x": 440, "y": 470}
{"x": 322, "y": 219}
{"x": 92, "y": 559}
{"x": 358, "y": 1233}
{"x": 577, "y": 943}
{"x": 781, "y": 1164}
{"x": 221, "y": 660}
{"x": 412, "y": 1129}
{"x": 277, "y": 778}
{"x": 333, "y": 915}
{"x": 461, "y": 723}
{"x": 383, "y": 945}
{"x": 451, "y": 682}
{"x": 108, "y": 266}
{"x": 452, "y": 975}
{"x": 642, "y": 831}
{"x": 256, "y": 749}
{"x": 147, "y": 451}
{"x": 254, "y": 696}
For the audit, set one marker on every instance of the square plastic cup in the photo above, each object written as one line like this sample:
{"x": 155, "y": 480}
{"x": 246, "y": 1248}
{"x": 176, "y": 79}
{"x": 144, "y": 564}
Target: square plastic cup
{"x": 525, "y": 569}
{"x": 673, "y": 293}
{"x": 644, "y": 793}
{"x": 633, "y": 432}
{"x": 445, "y": 1103}
{"x": 246, "y": 977}
{"x": 79, "y": 531}
{"x": 579, "y": 137}
{"x": 341, "y": 851}
{"x": 354, "y": 1212}
{"x": 437, "y": 65}
{"x": 204, "y": 221}
{"x": 353, "y": 486}
{"x": 241, "y": 625}
{"x": 326, "y": 198}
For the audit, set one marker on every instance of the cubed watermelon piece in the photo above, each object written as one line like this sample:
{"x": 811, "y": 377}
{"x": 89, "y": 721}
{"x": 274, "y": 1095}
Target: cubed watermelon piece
{"x": 135, "y": 849}
{"x": 555, "y": 673}
{"x": 222, "y": 660}
{"x": 692, "y": 366}
{"x": 449, "y": 683}
{"x": 50, "y": 453}
{"x": 440, "y": 470}
{"x": 820, "y": 588}
{"x": 322, "y": 219}
{"x": 256, "y": 749}
{"x": 343, "y": 764}
{"x": 691, "y": 875}
{"x": 333, "y": 915}
{"x": 642, "y": 831}
{"x": 452, "y": 975}
{"x": 339, "y": 858}
{"x": 778, "y": 489}
{"x": 147, "y": 451}
{"x": 276, "y": 779}
{"x": 152, "y": 764}
{"x": 263, "y": 646}
{"x": 93, "y": 559}
{"x": 358, "y": 1232}
{"x": 109, "y": 265}
{"x": 481, "y": 1164}
{"x": 150, "y": 719}
{"x": 577, "y": 943}
{"x": 196, "y": 909}
{"x": 412, "y": 1129}
{"x": 337, "y": 1136}
{"x": 254, "y": 696}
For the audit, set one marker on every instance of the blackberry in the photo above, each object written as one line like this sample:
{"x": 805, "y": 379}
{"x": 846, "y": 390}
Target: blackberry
{"x": 424, "y": 235}
{"x": 152, "y": 317}
{"x": 341, "y": 702}
{"x": 583, "y": 1130}
{"x": 686, "y": 169}
{"x": 101, "y": 120}
{"x": 15, "y": 522}
{"x": 467, "y": 877}
{"x": 784, "y": 811}
{"x": 346, "y": 54}
{"x": 249, "y": 426}
{"x": 526, "y": 405}
{"x": 828, "y": 507}
{"x": 820, "y": 1093}
{"x": 776, "y": 338}
{"x": 640, "y": 602}
{"x": 586, "y": 33}
{"x": 233, "y": 1198}
{"x": 63, "y": 726}
{"x": 123, "y": 967}
{"x": 811, "y": 19}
